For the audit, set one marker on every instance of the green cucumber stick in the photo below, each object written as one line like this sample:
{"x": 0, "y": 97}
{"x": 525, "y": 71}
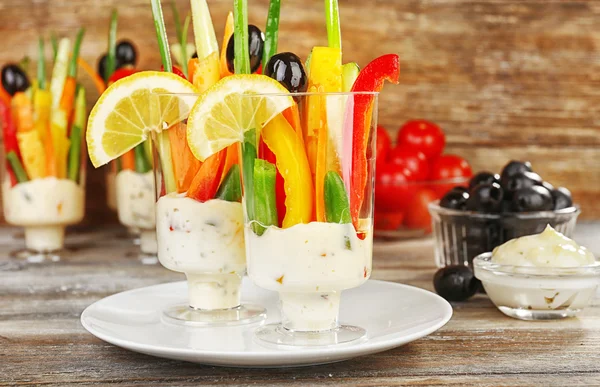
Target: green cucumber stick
{"x": 54, "y": 42}
{"x": 41, "y": 70}
{"x": 162, "y": 139}
{"x": 204, "y": 32}
{"x": 337, "y": 205}
{"x": 265, "y": 206}
{"x": 17, "y": 167}
{"x": 241, "y": 57}
{"x": 349, "y": 74}
{"x": 231, "y": 189}
{"x": 111, "y": 53}
{"x": 142, "y": 165}
{"x": 332, "y": 13}
{"x": 74, "y": 154}
{"x": 248, "y": 159}
{"x": 271, "y": 31}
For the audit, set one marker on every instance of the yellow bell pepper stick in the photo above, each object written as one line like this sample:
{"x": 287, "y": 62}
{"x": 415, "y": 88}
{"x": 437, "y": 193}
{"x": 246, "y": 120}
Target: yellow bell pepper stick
{"x": 42, "y": 103}
{"x": 33, "y": 154}
{"x": 204, "y": 72}
{"x": 292, "y": 163}
{"x": 60, "y": 141}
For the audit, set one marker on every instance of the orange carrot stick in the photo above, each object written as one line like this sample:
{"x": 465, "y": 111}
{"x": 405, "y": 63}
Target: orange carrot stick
{"x": 185, "y": 165}
{"x": 206, "y": 182}
{"x": 22, "y": 112}
{"x": 226, "y": 36}
{"x": 68, "y": 96}
{"x": 89, "y": 70}
{"x": 321, "y": 166}
{"x": 231, "y": 159}
{"x": 128, "y": 161}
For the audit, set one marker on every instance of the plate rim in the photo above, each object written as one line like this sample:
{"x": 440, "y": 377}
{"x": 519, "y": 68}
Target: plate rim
{"x": 344, "y": 351}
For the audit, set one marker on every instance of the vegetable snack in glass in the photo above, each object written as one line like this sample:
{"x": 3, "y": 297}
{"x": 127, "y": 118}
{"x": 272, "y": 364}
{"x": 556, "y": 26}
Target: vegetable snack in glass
{"x": 43, "y": 124}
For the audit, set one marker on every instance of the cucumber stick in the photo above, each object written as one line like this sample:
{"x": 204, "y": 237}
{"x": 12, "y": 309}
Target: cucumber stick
{"x": 349, "y": 74}
{"x": 204, "y": 32}
{"x": 59, "y": 72}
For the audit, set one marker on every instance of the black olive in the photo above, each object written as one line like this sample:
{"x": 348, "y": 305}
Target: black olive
{"x": 514, "y": 167}
{"x": 287, "y": 68}
{"x": 520, "y": 180}
{"x": 455, "y": 199}
{"x": 486, "y": 198}
{"x": 126, "y": 53}
{"x": 102, "y": 65}
{"x": 548, "y": 186}
{"x": 455, "y": 283}
{"x": 562, "y": 198}
{"x": 195, "y": 54}
{"x": 256, "y": 44}
{"x": 536, "y": 198}
{"x": 483, "y": 178}
{"x": 14, "y": 79}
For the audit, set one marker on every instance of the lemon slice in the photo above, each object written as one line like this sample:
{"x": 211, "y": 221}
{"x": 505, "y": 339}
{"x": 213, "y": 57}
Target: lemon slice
{"x": 128, "y": 110}
{"x": 224, "y": 112}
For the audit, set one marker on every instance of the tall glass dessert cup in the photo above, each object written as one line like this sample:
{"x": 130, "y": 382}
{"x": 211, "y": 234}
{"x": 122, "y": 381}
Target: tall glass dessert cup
{"x": 43, "y": 179}
{"x": 308, "y": 204}
{"x": 199, "y": 226}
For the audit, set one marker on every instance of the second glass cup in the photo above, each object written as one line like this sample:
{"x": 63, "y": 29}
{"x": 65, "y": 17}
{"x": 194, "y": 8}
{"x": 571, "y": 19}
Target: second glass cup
{"x": 199, "y": 226}
{"x": 308, "y": 178}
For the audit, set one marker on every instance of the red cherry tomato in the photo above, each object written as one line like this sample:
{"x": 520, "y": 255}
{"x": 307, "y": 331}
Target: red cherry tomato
{"x": 423, "y": 136}
{"x": 121, "y": 73}
{"x": 394, "y": 188}
{"x": 388, "y": 220}
{"x": 417, "y": 214}
{"x": 411, "y": 159}
{"x": 449, "y": 167}
{"x": 384, "y": 144}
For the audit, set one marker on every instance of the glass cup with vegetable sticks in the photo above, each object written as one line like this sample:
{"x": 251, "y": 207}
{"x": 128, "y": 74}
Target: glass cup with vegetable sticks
{"x": 43, "y": 122}
{"x": 308, "y": 177}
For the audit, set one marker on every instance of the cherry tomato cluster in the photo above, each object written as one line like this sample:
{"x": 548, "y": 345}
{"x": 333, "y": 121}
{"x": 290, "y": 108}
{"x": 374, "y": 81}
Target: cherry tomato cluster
{"x": 412, "y": 174}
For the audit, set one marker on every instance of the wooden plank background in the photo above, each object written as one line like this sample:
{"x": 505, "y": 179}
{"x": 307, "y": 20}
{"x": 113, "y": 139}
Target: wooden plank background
{"x": 506, "y": 79}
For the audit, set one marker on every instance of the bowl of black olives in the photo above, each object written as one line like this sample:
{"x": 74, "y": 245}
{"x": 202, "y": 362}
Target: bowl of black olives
{"x": 495, "y": 208}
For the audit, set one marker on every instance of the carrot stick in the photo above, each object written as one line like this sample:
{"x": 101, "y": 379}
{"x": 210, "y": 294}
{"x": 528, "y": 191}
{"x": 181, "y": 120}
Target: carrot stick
{"x": 231, "y": 159}
{"x": 50, "y": 157}
{"x": 321, "y": 166}
{"x": 206, "y": 182}
{"x": 128, "y": 161}
{"x": 185, "y": 165}
{"x": 89, "y": 70}
{"x": 226, "y": 37}
{"x": 22, "y": 112}
{"x": 68, "y": 94}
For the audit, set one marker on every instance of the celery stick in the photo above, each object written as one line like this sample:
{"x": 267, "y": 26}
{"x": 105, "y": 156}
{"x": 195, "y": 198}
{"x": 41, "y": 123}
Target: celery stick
{"x": 59, "y": 72}
{"x": 111, "y": 53}
{"x": 41, "y": 70}
{"x": 265, "y": 206}
{"x": 204, "y": 32}
{"x": 166, "y": 161}
{"x": 241, "y": 58}
{"x": 17, "y": 167}
{"x": 74, "y": 159}
{"x": 332, "y": 13}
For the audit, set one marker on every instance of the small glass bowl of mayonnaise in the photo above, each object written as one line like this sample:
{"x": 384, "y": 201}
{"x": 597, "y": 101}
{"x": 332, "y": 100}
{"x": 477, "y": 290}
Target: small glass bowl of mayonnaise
{"x": 539, "y": 277}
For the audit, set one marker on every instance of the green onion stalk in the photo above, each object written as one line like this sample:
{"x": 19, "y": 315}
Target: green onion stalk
{"x": 162, "y": 139}
{"x": 332, "y": 14}
{"x": 271, "y": 31}
{"x": 41, "y": 70}
{"x": 241, "y": 58}
{"x": 111, "y": 54}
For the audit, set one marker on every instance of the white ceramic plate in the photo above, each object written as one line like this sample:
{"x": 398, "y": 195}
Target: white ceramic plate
{"x": 393, "y": 315}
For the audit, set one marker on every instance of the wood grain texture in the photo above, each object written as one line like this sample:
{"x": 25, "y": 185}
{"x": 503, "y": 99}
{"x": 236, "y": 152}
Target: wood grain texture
{"x": 43, "y": 343}
{"x": 504, "y": 78}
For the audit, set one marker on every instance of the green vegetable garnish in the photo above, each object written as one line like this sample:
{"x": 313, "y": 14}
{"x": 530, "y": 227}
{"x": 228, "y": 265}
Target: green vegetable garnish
{"x": 271, "y": 31}
{"x": 161, "y": 35}
{"x": 349, "y": 74}
{"x": 249, "y": 157}
{"x": 265, "y": 206}
{"x": 241, "y": 58}
{"x": 74, "y": 154}
{"x": 332, "y": 13}
{"x": 111, "y": 53}
{"x": 142, "y": 164}
{"x": 54, "y": 42}
{"x": 41, "y": 70}
{"x": 231, "y": 189}
{"x": 17, "y": 167}
{"x": 337, "y": 205}
{"x": 183, "y": 43}
{"x": 73, "y": 65}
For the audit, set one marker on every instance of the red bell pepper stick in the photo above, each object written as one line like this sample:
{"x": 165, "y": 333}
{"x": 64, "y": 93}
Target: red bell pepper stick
{"x": 265, "y": 153}
{"x": 9, "y": 129}
{"x": 205, "y": 184}
{"x": 370, "y": 79}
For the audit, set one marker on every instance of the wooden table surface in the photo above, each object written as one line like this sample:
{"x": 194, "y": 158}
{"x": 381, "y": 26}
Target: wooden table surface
{"x": 43, "y": 343}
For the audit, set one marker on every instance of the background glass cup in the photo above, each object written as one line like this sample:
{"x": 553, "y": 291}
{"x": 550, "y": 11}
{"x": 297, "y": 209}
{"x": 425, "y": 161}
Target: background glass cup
{"x": 135, "y": 198}
{"x": 200, "y": 237}
{"x": 308, "y": 262}
{"x": 45, "y": 205}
